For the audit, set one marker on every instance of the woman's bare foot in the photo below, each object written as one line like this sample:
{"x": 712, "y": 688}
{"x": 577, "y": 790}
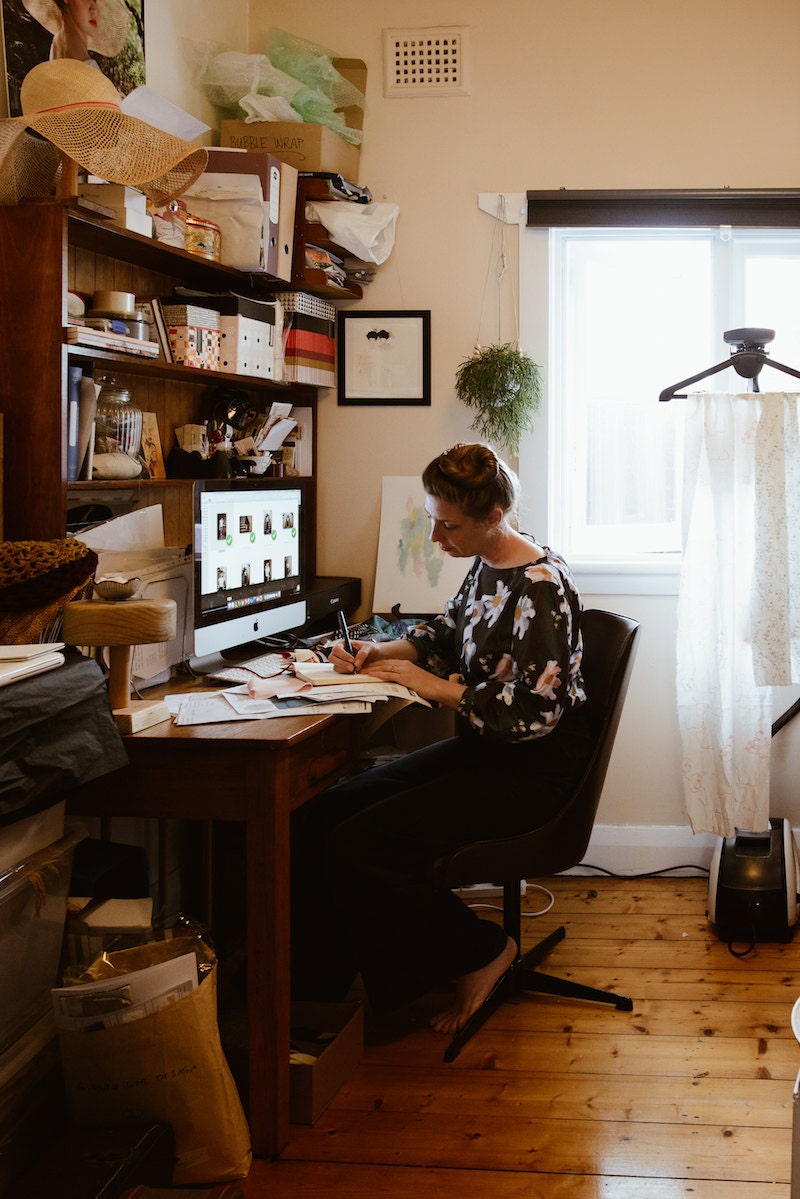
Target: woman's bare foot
{"x": 472, "y": 989}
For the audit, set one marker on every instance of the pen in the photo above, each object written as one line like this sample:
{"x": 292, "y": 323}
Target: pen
{"x": 348, "y": 645}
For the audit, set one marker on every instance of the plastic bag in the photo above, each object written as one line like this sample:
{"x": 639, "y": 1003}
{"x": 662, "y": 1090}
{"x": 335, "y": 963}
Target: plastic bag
{"x": 365, "y": 230}
{"x": 312, "y": 64}
{"x": 235, "y": 203}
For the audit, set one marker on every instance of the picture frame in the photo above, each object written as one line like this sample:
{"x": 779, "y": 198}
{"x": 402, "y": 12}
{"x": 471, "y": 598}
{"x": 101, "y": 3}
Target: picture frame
{"x": 27, "y": 42}
{"x": 383, "y": 357}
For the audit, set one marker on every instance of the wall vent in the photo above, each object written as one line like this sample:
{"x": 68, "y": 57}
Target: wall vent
{"x": 424, "y": 62}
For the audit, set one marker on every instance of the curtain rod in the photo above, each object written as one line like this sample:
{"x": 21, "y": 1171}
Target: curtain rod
{"x": 745, "y": 207}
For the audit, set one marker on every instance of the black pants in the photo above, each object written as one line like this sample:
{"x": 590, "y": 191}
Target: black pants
{"x": 363, "y": 898}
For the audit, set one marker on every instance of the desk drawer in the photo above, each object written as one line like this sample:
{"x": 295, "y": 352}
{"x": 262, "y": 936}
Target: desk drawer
{"x": 323, "y": 759}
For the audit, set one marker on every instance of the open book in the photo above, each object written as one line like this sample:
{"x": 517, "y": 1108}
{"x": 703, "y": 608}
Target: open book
{"x": 322, "y": 674}
{"x": 361, "y": 686}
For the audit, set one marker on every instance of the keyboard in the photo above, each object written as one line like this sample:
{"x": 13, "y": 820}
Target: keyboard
{"x": 262, "y": 667}
{"x": 358, "y": 632}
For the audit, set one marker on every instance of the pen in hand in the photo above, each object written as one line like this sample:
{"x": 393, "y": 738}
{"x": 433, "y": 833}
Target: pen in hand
{"x": 348, "y": 645}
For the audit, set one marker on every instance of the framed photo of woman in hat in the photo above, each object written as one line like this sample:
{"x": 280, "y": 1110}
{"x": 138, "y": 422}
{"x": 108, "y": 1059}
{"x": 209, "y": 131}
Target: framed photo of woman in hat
{"x": 107, "y": 33}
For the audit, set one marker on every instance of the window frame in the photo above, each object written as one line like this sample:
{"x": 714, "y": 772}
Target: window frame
{"x": 687, "y": 209}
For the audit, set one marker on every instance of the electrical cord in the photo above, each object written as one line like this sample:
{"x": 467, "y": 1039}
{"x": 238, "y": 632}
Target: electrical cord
{"x": 646, "y": 873}
{"x": 493, "y": 907}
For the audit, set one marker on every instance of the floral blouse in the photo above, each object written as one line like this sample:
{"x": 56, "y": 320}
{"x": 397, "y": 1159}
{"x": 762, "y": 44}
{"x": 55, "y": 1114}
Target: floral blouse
{"x": 514, "y": 637}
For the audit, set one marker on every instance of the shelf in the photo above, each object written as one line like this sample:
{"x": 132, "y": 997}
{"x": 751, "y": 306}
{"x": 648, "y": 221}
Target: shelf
{"x": 101, "y": 237}
{"x": 134, "y": 364}
{"x": 148, "y": 484}
{"x": 311, "y": 279}
{"x": 317, "y": 283}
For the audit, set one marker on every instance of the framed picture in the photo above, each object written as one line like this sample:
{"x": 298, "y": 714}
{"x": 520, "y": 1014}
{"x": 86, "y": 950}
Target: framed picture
{"x": 34, "y": 31}
{"x": 383, "y": 357}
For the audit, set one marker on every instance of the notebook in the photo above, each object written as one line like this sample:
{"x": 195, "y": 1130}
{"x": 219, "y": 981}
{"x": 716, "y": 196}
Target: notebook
{"x": 22, "y": 661}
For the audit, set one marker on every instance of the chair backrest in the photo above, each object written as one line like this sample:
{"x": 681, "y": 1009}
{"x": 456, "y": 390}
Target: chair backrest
{"x": 609, "y": 650}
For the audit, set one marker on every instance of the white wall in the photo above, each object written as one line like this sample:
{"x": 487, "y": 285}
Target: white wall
{"x": 687, "y": 93}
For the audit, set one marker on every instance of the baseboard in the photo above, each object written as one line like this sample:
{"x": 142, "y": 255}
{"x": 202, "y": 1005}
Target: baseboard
{"x": 640, "y": 849}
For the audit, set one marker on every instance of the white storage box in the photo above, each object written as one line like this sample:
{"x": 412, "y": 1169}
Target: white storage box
{"x": 249, "y": 334}
{"x": 25, "y": 837}
{"x": 246, "y": 347}
{"x": 33, "y": 909}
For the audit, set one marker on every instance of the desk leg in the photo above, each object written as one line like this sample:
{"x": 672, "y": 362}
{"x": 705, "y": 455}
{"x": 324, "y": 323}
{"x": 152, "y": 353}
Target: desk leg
{"x": 268, "y": 960}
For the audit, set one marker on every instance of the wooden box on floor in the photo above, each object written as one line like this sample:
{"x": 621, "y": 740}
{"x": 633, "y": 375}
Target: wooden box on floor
{"x": 312, "y": 1085}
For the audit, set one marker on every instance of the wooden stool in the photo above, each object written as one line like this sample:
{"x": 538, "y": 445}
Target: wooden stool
{"x": 121, "y": 626}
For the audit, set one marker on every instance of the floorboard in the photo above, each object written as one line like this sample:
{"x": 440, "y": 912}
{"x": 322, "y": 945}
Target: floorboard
{"x": 689, "y": 1096}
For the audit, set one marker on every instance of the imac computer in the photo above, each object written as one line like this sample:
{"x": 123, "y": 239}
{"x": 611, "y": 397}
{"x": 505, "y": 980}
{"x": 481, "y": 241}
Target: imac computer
{"x": 249, "y": 565}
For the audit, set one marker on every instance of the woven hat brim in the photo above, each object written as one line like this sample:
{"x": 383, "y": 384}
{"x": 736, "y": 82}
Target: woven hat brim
{"x": 108, "y": 143}
{"x": 28, "y": 165}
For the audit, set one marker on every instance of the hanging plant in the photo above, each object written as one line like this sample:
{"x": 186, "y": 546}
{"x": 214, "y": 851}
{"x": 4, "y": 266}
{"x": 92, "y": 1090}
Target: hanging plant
{"x": 504, "y": 386}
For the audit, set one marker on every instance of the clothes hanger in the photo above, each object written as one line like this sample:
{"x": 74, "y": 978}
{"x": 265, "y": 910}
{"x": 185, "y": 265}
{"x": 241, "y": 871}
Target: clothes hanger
{"x": 747, "y": 358}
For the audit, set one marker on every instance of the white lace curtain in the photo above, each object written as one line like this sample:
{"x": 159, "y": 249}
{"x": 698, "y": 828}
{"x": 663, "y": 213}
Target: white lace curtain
{"x": 739, "y": 599}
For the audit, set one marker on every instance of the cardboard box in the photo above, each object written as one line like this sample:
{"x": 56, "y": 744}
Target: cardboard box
{"x": 313, "y": 1086}
{"x": 191, "y": 345}
{"x": 305, "y": 146}
{"x": 114, "y": 195}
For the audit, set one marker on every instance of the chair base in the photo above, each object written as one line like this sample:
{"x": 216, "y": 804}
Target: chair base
{"x": 521, "y": 977}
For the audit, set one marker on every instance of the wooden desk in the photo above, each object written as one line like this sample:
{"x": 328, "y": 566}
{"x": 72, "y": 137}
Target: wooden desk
{"x": 253, "y": 771}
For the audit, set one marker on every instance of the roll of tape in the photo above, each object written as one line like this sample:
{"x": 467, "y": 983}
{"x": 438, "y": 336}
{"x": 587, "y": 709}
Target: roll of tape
{"x": 121, "y": 302}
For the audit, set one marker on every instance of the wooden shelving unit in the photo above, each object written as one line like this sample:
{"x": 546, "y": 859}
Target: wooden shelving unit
{"x": 311, "y": 233}
{"x": 47, "y": 249}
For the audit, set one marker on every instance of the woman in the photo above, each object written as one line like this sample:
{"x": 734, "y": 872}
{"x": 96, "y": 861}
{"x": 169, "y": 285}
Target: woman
{"x": 79, "y": 26}
{"x": 505, "y": 656}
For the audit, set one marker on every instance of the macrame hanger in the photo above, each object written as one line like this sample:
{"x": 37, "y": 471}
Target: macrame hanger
{"x": 498, "y": 259}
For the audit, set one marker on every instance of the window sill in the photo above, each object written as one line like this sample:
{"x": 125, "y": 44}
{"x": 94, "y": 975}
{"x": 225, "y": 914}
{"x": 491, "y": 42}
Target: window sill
{"x": 626, "y": 578}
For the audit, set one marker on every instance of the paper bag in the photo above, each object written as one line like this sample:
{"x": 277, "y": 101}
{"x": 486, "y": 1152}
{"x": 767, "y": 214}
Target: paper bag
{"x": 168, "y": 1066}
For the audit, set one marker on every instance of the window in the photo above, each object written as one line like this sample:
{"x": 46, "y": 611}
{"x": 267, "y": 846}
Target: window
{"x": 630, "y": 312}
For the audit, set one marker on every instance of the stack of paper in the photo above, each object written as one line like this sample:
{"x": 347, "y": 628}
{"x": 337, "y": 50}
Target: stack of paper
{"x": 124, "y": 997}
{"x": 313, "y": 689}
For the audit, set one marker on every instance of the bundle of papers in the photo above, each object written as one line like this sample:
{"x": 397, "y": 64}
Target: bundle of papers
{"x": 314, "y": 688}
{"x": 124, "y": 997}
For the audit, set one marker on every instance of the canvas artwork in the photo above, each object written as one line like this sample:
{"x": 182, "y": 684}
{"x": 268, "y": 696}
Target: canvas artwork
{"x": 411, "y": 570}
{"x": 111, "y": 33}
{"x": 151, "y": 447}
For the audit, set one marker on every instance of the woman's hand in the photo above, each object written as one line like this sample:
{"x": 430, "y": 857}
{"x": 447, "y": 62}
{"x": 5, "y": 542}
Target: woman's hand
{"x": 399, "y": 670}
{"x": 344, "y": 663}
{"x": 416, "y": 678}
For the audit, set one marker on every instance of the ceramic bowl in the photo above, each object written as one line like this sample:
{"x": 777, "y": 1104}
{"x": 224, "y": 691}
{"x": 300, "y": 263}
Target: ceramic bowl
{"x": 116, "y": 589}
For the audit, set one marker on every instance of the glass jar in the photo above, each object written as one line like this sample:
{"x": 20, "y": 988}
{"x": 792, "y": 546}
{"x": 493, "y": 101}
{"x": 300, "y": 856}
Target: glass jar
{"x": 118, "y": 422}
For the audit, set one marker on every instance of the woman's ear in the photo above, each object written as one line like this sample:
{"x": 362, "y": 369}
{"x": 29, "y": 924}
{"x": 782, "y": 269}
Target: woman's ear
{"x": 495, "y": 518}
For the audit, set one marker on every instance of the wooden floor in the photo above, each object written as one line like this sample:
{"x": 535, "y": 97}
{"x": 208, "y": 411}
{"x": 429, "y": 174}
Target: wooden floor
{"x": 687, "y": 1097}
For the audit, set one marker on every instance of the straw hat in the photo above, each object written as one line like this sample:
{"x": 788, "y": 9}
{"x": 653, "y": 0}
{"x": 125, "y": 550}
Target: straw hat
{"x": 76, "y": 108}
{"x": 113, "y": 19}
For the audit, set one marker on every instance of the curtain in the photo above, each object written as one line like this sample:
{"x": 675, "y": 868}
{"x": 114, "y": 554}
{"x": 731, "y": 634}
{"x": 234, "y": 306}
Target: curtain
{"x": 739, "y": 600}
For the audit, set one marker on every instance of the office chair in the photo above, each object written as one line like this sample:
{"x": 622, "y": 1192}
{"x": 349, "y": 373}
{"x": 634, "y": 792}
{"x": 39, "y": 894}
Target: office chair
{"x": 609, "y": 649}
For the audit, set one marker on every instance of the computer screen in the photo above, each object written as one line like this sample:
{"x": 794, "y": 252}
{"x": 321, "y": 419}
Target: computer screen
{"x": 249, "y": 562}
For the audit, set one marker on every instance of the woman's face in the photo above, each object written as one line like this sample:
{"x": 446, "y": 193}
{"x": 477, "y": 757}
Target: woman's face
{"x": 83, "y": 14}
{"x": 459, "y": 535}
